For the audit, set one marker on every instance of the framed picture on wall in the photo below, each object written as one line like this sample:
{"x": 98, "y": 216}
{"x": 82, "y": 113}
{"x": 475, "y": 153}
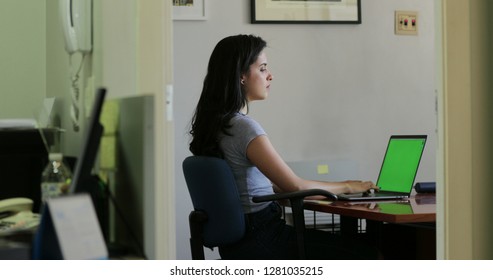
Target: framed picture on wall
{"x": 306, "y": 11}
{"x": 189, "y": 10}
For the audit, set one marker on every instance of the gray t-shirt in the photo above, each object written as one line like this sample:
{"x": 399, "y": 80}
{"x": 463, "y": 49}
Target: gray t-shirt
{"x": 250, "y": 181}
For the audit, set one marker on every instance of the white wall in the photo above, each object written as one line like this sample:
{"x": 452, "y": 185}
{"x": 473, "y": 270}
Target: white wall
{"x": 339, "y": 91}
{"x": 22, "y": 58}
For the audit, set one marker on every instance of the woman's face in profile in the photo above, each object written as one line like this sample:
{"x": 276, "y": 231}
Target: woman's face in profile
{"x": 257, "y": 81}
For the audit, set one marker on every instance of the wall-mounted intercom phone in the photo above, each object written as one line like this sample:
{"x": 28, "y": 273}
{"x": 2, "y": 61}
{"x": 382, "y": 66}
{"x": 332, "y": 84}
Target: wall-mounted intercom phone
{"x": 15, "y": 214}
{"x": 76, "y": 20}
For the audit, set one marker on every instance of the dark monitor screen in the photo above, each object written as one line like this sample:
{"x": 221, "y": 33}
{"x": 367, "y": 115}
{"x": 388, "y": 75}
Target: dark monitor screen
{"x": 82, "y": 179}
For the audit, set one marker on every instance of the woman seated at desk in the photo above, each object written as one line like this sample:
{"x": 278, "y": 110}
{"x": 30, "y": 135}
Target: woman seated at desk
{"x": 237, "y": 75}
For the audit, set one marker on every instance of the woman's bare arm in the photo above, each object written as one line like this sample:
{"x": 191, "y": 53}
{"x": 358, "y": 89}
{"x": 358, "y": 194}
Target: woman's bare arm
{"x": 263, "y": 155}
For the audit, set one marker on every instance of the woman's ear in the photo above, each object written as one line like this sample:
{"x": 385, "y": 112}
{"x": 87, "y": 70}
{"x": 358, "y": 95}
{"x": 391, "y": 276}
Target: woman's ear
{"x": 242, "y": 79}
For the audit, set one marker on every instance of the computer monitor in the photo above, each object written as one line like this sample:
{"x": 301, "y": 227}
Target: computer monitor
{"x": 83, "y": 181}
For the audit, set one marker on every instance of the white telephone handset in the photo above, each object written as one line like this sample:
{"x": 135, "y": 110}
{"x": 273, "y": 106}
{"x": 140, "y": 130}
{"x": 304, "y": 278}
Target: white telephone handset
{"x": 76, "y": 19}
{"x": 16, "y": 204}
{"x": 15, "y": 214}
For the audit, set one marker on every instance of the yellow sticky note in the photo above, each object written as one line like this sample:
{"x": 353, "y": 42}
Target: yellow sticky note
{"x": 322, "y": 169}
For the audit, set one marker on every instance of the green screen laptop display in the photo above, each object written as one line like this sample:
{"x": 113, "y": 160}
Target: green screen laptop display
{"x": 400, "y": 164}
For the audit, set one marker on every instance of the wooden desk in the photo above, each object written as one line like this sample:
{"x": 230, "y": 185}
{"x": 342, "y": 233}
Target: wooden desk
{"x": 388, "y": 222}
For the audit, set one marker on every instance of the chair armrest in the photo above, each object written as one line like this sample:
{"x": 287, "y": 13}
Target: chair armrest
{"x": 294, "y": 195}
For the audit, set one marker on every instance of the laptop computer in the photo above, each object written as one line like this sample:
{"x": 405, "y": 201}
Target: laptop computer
{"x": 399, "y": 167}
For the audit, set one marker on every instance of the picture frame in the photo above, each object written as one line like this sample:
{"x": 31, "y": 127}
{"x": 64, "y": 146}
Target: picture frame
{"x": 306, "y": 11}
{"x": 189, "y": 9}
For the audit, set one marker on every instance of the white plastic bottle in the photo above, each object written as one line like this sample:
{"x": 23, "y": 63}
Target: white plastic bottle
{"x": 56, "y": 178}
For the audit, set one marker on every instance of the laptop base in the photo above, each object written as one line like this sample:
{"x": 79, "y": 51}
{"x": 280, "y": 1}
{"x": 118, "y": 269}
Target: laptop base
{"x": 372, "y": 196}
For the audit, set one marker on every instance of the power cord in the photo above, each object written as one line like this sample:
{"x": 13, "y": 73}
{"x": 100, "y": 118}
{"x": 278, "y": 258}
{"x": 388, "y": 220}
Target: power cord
{"x": 75, "y": 93}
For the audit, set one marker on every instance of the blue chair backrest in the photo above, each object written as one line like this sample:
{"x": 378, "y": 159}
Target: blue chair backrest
{"x": 212, "y": 187}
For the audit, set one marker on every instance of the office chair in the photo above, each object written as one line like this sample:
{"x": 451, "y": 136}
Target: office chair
{"x": 218, "y": 218}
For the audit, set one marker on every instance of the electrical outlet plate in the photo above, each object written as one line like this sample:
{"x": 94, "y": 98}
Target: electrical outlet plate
{"x": 406, "y": 23}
